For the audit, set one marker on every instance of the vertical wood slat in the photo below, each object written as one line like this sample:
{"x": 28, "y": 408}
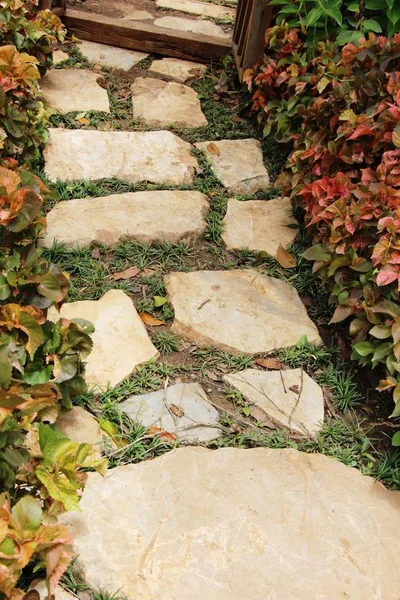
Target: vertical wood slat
{"x": 253, "y": 18}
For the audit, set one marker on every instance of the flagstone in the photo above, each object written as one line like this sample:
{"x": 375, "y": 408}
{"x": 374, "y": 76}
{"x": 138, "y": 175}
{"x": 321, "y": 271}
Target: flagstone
{"x": 238, "y": 164}
{"x": 182, "y": 409}
{"x": 132, "y": 14}
{"x": 143, "y": 216}
{"x": 110, "y": 56}
{"x": 259, "y": 225}
{"x": 82, "y": 427}
{"x": 178, "y": 70}
{"x": 289, "y": 397}
{"x": 154, "y": 156}
{"x": 160, "y": 103}
{"x": 120, "y": 340}
{"x": 238, "y": 524}
{"x": 201, "y": 27}
{"x": 68, "y": 90}
{"x": 238, "y": 311}
{"x": 205, "y": 9}
{"x": 59, "y": 56}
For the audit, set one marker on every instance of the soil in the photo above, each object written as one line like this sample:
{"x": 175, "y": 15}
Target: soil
{"x": 118, "y": 8}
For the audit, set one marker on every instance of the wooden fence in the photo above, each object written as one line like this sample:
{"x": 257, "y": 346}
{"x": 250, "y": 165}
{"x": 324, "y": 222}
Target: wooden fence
{"x": 252, "y": 19}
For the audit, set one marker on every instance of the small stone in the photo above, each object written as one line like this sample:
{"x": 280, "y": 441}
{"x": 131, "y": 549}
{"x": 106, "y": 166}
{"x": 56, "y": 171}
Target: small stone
{"x": 178, "y": 70}
{"x": 110, "y": 56}
{"x": 160, "y": 103}
{"x": 201, "y": 27}
{"x": 259, "y": 225}
{"x": 182, "y": 409}
{"x": 238, "y": 524}
{"x": 205, "y": 9}
{"x": 59, "y": 56}
{"x": 238, "y": 311}
{"x": 135, "y": 156}
{"x": 82, "y": 427}
{"x": 120, "y": 340}
{"x": 132, "y": 14}
{"x": 68, "y": 90}
{"x": 238, "y": 164}
{"x": 142, "y": 216}
{"x": 290, "y": 398}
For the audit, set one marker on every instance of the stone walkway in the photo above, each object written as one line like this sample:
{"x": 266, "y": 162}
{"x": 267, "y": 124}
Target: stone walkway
{"x": 198, "y": 524}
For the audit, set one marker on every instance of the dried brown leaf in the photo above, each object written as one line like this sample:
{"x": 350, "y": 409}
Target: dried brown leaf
{"x": 176, "y": 411}
{"x": 150, "y": 320}
{"x": 96, "y": 253}
{"x": 285, "y": 259}
{"x": 213, "y": 149}
{"x": 127, "y": 274}
{"x": 270, "y": 363}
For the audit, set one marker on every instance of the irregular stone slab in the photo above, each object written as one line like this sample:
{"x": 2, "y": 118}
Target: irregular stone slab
{"x": 68, "y": 90}
{"x": 155, "y": 156}
{"x": 238, "y": 311}
{"x": 204, "y": 9}
{"x": 120, "y": 340}
{"x": 136, "y": 15}
{"x": 59, "y": 593}
{"x": 82, "y": 427}
{"x": 178, "y": 70}
{"x": 110, "y": 56}
{"x": 200, "y": 27}
{"x": 239, "y": 164}
{"x": 290, "y": 398}
{"x": 143, "y": 216}
{"x": 59, "y": 56}
{"x": 182, "y": 409}
{"x": 259, "y": 225}
{"x": 232, "y": 524}
{"x": 160, "y": 103}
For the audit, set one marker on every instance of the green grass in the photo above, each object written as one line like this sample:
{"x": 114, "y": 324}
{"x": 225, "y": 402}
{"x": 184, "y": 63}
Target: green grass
{"x": 166, "y": 343}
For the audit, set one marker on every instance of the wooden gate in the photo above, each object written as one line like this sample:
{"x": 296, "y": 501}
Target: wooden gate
{"x": 57, "y": 6}
{"x": 252, "y": 19}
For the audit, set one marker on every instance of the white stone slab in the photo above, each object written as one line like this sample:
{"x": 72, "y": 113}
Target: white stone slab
{"x": 238, "y": 311}
{"x": 234, "y": 524}
{"x": 143, "y": 216}
{"x": 238, "y": 164}
{"x": 200, "y": 27}
{"x": 68, "y": 90}
{"x": 110, "y": 56}
{"x": 182, "y": 409}
{"x": 178, "y": 70}
{"x": 160, "y": 103}
{"x": 120, "y": 340}
{"x": 290, "y": 398}
{"x": 205, "y": 9}
{"x": 259, "y": 225}
{"x": 155, "y": 156}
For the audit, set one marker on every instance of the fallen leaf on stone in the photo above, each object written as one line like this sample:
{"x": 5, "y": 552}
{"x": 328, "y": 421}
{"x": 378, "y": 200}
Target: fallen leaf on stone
{"x": 96, "y": 253}
{"x": 176, "y": 411}
{"x": 127, "y": 274}
{"x": 295, "y": 389}
{"x": 270, "y": 363}
{"x": 213, "y": 149}
{"x": 285, "y": 259}
{"x": 159, "y": 301}
{"x": 158, "y": 432}
{"x": 150, "y": 320}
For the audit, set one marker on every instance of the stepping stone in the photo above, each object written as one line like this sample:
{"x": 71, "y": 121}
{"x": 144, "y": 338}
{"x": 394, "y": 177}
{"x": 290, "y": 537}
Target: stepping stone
{"x": 120, "y": 340}
{"x": 201, "y": 27}
{"x": 110, "y": 56}
{"x": 182, "y": 409}
{"x": 238, "y": 164}
{"x": 59, "y": 593}
{"x": 143, "y": 216}
{"x": 238, "y": 311}
{"x": 135, "y": 156}
{"x": 236, "y": 524}
{"x": 80, "y": 426}
{"x": 68, "y": 90}
{"x": 290, "y": 398}
{"x": 160, "y": 103}
{"x": 259, "y": 225}
{"x": 59, "y": 56}
{"x": 204, "y": 9}
{"x": 178, "y": 70}
{"x": 136, "y": 15}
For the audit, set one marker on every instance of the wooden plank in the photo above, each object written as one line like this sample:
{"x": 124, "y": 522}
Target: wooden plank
{"x": 146, "y": 38}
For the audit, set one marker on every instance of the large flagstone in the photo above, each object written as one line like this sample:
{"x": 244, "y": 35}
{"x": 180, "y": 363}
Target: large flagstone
{"x": 204, "y": 9}
{"x": 110, "y": 56}
{"x": 201, "y": 27}
{"x": 178, "y": 70}
{"x": 68, "y": 90}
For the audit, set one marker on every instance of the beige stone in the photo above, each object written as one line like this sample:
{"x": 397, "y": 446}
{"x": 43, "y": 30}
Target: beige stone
{"x": 290, "y": 398}
{"x": 131, "y": 14}
{"x": 178, "y": 70}
{"x": 68, "y": 90}
{"x": 238, "y": 164}
{"x": 110, "y": 56}
{"x": 120, "y": 340}
{"x": 60, "y": 593}
{"x": 155, "y": 156}
{"x": 201, "y": 27}
{"x": 205, "y": 9}
{"x": 238, "y": 311}
{"x": 233, "y": 524}
{"x": 259, "y": 225}
{"x": 59, "y": 56}
{"x": 160, "y": 216}
{"x": 160, "y": 103}
{"x": 82, "y": 427}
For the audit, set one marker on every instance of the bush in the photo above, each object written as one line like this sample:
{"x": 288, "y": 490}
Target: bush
{"x": 341, "y": 112}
